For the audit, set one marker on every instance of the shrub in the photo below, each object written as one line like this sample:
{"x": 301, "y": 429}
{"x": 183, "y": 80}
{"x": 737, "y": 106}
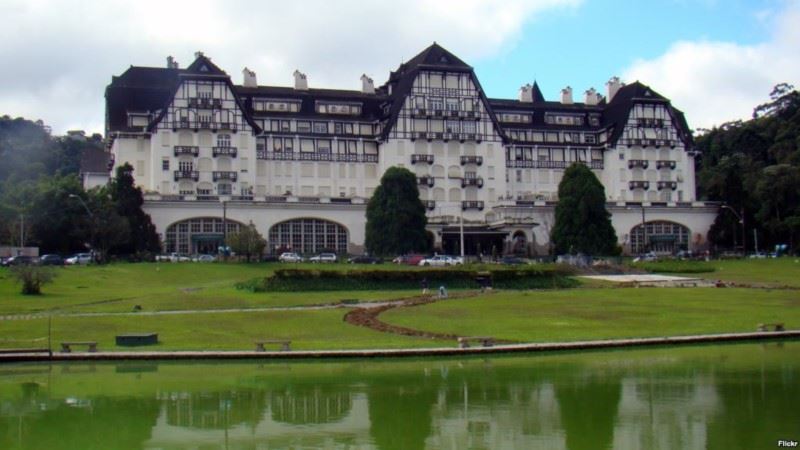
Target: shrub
{"x": 32, "y": 278}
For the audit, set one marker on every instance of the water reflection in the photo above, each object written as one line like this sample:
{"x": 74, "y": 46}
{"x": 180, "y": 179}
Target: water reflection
{"x": 736, "y": 396}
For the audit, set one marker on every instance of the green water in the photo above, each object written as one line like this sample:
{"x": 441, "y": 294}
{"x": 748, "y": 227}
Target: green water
{"x": 720, "y": 397}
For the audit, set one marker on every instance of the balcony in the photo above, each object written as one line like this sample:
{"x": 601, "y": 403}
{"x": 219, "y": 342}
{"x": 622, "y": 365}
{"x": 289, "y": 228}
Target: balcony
{"x": 224, "y": 151}
{"x": 545, "y": 164}
{"x": 426, "y": 181}
{"x": 187, "y": 175}
{"x": 472, "y": 204}
{"x": 472, "y": 181}
{"x": 430, "y": 205}
{"x": 421, "y": 159}
{"x": 200, "y": 102}
{"x": 666, "y": 164}
{"x": 650, "y": 123}
{"x": 468, "y": 137}
{"x": 190, "y": 150}
{"x": 468, "y": 114}
{"x": 314, "y": 156}
{"x": 672, "y": 185}
{"x": 477, "y": 160}
{"x": 639, "y": 185}
{"x": 224, "y": 175}
{"x": 419, "y": 112}
{"x": 638, "y": 163}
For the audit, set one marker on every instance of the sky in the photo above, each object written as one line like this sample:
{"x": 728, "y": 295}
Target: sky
{"x": 715, "y": 59}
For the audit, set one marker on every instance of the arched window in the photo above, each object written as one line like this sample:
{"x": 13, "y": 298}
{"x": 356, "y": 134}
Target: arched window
{"x": 308, "y": 236}
{"x": 199, "y": 235}
{"x": 659, "y": 236}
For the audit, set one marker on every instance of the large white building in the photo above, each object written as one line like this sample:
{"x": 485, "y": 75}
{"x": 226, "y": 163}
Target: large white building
{"x": 301, "y": 162}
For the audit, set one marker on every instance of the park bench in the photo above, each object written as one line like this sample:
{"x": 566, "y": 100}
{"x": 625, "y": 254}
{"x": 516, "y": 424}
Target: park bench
{"x": 66, "y": 346}
{"x": 463, "y": 342}
{"x": 767, "y": 326}
{"x": 283, "y": 343}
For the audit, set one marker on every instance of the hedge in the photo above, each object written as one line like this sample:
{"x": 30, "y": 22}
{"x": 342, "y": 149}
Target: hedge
{"x": 288, "y": 280}
{"x": 675, "y": 266}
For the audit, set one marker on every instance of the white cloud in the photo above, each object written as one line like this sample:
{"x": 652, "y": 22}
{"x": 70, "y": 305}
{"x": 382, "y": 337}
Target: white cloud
{"x": 59, "y": 56}
{"x": 715, "y": 82}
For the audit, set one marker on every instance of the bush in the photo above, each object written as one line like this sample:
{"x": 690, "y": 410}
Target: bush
{"x": 32, "y": 278}
{"x": 287, "y": 280}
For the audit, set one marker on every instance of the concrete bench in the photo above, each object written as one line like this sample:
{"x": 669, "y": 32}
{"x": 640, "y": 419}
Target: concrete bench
{"x": 135, "y": 339}
{"x": 774, "y": 326}
{"x": 463, "y": 342}
{"x": 66, "y": 346}
{"x": 283, "y": 343}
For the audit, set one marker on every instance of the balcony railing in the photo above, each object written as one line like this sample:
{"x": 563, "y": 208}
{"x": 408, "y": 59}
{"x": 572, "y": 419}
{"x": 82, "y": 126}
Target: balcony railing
{"x": 661, "y": 185}
{"x": 532, "y": 164}
{"x": 478, "y": 160}
{"x": 186, "y": 150}
{"x": 203, "y": 125}
{"x": 650, "y": 123}
{"x": 638, "y": 163}
{"x": 224, "y": 151}
{"x": 224, "y": 175}
{"x": 429, "y": 204}
{"x": 187, "y": 175}
{"x": 477, "y": 181}
{"x": 426, "y": 181}
{"x": 468, "y": 137}
{"x": 663, "y": 164}
{"x": 639, "y": 185}
{"x": 648, "y": 142}
{"x": 200, "y": 102}
{"x": 472, "y": 204}
{"x": 421, "y": 159}
{"x": 308, "y": 156}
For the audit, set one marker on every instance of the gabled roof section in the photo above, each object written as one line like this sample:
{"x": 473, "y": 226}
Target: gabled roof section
{"x": 202, "y": 65}
{"x": 537, "y": 93}
{"x": 436, "y": 56}
{"x": 618, "y": 109}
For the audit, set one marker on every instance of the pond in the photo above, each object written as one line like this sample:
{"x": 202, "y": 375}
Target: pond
{"x": 717, "y": 396}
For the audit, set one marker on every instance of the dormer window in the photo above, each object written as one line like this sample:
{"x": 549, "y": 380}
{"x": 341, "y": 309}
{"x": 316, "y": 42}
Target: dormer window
{"x": 352, "y": 109}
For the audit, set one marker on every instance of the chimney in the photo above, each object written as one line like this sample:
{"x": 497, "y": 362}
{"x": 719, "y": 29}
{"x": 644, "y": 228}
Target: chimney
{"x": 198, "y": 54}
{"x": 249, "y": 78}
{"x": 566, "y": 96}
{"x": 171, "y": 63}
{"x": 300, "y": 81}
{"x": 612, "y": 86}
{"x": 591, "y": 97}
{"x": 526, "y": 93}
{"x": 367, "y": 85}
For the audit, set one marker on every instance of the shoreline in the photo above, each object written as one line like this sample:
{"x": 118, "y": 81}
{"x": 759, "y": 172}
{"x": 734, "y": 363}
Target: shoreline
{"x": 401, "y": 353}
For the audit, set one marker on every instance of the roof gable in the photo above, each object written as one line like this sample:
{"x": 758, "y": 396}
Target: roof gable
{"x": 203, "y": 65}
{"x": 435, "y": 56}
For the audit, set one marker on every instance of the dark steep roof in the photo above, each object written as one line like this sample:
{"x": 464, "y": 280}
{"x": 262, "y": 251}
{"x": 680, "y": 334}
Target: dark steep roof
{"x": 371, "y": 108}
{"x": 95, "y": 160}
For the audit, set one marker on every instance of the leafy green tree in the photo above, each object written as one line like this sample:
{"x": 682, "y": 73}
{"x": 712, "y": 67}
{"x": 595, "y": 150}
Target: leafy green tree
{"x": 248, "y": 242}
{"x": 583, "y": 225}
{"x": 32, "y": 278}
{"x": 396, "y": 216}
{"x": 129, "y": 200}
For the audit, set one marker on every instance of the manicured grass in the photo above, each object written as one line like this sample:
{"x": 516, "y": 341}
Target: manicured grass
{"x": 584, "y": 314}
{"x": 316, "y": 329}
{"x": 784, "y": 271}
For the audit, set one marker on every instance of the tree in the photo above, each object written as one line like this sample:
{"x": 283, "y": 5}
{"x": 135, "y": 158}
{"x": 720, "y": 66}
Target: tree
{"x": 129, "y": 200}
{"x": 248, "y": 242}
{"x": 396, "y": 216}
{"x": 32, "y": 278}
{"x": 583, "y": 225}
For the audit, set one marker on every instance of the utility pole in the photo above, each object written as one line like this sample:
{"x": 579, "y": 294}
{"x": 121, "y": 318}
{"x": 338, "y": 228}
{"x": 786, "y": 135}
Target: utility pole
{"x": 461, "y": 226}
{"x": 225, "y": 230}
{"x": 644, "y": 232}
{"x": 755, "y": 240}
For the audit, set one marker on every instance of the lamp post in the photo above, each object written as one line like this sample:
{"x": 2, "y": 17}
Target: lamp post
{"x": 740, "y": 217}
{"x": 460, "y": 229}
{"x": 91, "y": 224}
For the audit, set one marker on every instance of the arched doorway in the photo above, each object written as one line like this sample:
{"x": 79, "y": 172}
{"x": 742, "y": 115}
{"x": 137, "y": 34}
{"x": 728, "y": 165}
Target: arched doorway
{"x": 519, "y": 243}
{"x": 307, "y": 235}
{"x": 199, "y": 235}
{"x": 659, "y": 236}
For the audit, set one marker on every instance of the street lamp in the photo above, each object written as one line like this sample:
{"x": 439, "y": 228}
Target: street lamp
{"x": 461, "y": 228}
{"x": 740, "y": 217}
{"x": 91, "y": 224}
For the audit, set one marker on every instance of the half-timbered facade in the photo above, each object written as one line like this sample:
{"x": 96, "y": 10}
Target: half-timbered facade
{"x": 301, "y": 162}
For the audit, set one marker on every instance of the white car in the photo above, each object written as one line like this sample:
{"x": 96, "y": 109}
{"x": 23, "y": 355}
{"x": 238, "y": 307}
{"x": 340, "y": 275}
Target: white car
{"x": 441, "y": 261}
{"x": 173, "y": 257}
{"x": 324, "y": 258}
{"x": 290, "y": 257}
{"x": 79, "y": 259}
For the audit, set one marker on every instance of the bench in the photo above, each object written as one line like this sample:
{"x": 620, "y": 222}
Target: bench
{"x": 283, "y": 343}
{"x": 774, "y": 326}
{"x": 65, "y": 346}
{"x": 135, "y": 339}
{"x": 463, "y": 342}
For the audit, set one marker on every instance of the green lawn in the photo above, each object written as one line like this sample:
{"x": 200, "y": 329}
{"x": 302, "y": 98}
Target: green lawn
{"x": 783, "y": 271}
{"x": 316, "y": 329}
{"x": 578, "y": 314}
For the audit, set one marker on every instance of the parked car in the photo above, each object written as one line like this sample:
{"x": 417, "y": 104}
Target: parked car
{"x": 79, "y": 259}
{"x": 270, "y": 258}
{"x": 365, "y": 259}
{"x": 411, "y": 260}
{"x": 646, "y": 257}
{"x": 205, "y": 258}
{"x": 441, "y": 261}
{"x": 20, "y": 261}
{"x": 290, "y": 257}
{"x": 758, "y": 255}
{"x": 324, "y": 258}
{"x": 512, "y": 261}
{"x": 173, "y": 257}
{"x": 51, "y": 260}
{"x": 4, "y": 261}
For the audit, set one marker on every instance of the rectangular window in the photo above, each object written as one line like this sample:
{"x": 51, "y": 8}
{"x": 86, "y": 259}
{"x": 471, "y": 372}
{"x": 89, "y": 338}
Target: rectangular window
{"x": 165, "y": 164}
{"x": 321, "y": 127}
{"x": 452, "y": 126}
{"x": 452, "y": 104}
{"x": 435, "y": 103}
{"x": 468, "y": 127}
{"x": 223, "y": 140}
{"x": 338, "y": 128}
{"x": 303, "y": 126}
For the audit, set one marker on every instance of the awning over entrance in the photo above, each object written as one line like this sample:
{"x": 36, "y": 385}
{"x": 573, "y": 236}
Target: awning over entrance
{"x": 202, "y": 237}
